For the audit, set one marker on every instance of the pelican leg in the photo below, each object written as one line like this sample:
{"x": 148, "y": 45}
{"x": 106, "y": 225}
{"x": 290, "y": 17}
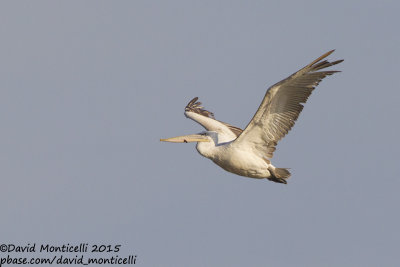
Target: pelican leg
{"x": 279, "y": 175}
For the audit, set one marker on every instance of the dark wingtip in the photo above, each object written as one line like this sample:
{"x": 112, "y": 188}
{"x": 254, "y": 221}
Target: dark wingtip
{"x": 191, "y": 102}
{"x": 195, "y": 106}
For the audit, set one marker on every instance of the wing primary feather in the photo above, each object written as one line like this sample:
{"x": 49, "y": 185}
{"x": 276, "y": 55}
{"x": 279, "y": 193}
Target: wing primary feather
{"x": 211, "y": 124}
{"x": 196, "y": 107}
{"x": 282, "y": 105}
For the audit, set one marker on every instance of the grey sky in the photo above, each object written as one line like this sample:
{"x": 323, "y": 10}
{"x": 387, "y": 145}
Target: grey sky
{"x": 89, "y": 87}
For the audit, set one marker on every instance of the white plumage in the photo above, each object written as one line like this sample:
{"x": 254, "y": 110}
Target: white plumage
{"x": 248, "y": 152}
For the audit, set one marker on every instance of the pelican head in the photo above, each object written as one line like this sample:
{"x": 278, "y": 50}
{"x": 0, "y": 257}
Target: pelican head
{"x": 207, "y": 142}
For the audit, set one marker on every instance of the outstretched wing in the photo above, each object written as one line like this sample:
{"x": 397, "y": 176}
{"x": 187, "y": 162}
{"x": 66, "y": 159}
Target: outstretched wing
{"x": 281, "y": 107}
{"x": 196, "y": 112}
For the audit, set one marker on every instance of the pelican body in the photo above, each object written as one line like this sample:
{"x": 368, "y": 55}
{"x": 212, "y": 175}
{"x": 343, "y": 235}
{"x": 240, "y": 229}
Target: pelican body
{"x": 248, "y": 152}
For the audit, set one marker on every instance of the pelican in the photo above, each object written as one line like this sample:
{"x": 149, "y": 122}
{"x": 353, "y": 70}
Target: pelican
{"x": 248, "y": 152}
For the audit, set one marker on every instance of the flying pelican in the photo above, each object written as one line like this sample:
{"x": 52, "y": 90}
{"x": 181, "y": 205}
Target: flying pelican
{"x": 248, "y": 152}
